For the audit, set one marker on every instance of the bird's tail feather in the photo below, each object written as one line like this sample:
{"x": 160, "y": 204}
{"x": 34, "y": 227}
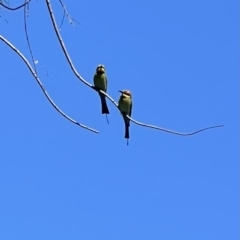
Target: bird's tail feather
{"x": 127, "y": 131}
{"x": 104, "y": 104}
{"x": 127, "y": 125}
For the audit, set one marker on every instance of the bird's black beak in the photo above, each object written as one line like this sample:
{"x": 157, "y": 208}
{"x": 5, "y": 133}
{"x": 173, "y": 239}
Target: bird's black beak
{"x": 121, "y": 91}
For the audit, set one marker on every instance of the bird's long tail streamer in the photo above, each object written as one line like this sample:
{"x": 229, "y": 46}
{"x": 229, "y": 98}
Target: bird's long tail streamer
{"x": 107, "y": 118}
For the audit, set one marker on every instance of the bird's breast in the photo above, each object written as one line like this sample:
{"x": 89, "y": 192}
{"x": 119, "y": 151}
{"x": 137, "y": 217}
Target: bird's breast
{"x": 100, "y": 81}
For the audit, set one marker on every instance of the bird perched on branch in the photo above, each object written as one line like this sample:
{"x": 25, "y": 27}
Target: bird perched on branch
{"x": 125, "y": 106}
{"x": 100, "y": 83}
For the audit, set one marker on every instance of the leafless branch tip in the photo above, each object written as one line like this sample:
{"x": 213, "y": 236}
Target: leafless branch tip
{"x": 65, "y": 13}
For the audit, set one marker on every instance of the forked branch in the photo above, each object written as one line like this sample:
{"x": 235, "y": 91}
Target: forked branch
{"x": 40, "y": 84}
{"x": 65, "y": 13}
{"x": 109, "y": 97}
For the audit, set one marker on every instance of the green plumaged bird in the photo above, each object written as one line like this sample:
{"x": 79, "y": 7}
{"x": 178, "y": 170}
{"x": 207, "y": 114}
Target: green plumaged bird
{"x": 100, "y": 83}
{"x": 125, "y": 106}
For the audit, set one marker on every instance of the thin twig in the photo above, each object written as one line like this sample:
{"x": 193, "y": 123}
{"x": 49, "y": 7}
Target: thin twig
{"x": 40, "y": 84}
{"x": 109, "y": 97}
{"x": 26, "y": 10}
{"x": 16, "y": 8}
{"x": 70, "y": 19}
{"x": 62, "y": 20}
{"x": 26, "y": 33}
{"x": 174, "y": 132}
{"x": 1, "y": 16}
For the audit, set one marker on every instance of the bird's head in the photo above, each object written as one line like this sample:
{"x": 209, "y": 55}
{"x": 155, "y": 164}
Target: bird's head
{"x": 126, "y": 93}
{"x": 100, "y": 69}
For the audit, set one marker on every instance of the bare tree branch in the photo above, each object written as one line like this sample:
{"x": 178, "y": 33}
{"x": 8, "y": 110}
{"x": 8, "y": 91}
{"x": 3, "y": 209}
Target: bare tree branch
{"x": 40, "y": 84}
{"x": 26, "y": 34}
{"x": 109, "y": 97}
{"x": 70, "y": 19}
{"x": 16, "y": 8}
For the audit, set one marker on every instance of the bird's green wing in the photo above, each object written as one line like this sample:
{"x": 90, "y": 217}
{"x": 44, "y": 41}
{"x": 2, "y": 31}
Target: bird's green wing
{"x": 106, "y": 82}
{"x": 130, "y": 112}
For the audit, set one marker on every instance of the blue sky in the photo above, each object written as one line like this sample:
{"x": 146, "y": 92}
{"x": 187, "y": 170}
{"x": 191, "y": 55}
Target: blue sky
{"x": 180, "y": 59}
